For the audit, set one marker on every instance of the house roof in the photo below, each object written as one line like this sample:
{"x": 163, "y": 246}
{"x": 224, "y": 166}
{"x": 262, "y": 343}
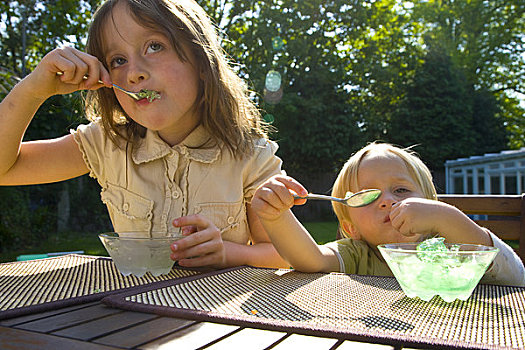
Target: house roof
{"x": 488, "y": 158}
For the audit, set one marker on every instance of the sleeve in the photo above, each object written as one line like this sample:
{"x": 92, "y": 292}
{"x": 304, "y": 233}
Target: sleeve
{"x": 507, "y": 268}
{"x": 92, "y": 142}
{"x": 263, "y": 165}
{"x": 347, "y": 254}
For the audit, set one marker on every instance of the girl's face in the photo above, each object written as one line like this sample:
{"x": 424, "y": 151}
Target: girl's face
{"x": 142, "y": 58}
{"x": 371, "y": 223}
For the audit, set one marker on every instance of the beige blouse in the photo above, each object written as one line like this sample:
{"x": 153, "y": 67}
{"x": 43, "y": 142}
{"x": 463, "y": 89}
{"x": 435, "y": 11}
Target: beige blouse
{"x": 147, "y": 186}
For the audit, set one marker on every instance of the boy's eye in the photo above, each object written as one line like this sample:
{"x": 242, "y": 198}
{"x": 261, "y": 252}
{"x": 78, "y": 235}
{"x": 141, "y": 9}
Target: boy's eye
{"x": 401, "y": 190}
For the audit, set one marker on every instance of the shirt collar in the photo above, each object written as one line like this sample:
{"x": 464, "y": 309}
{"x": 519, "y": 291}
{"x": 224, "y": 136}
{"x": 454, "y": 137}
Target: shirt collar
{"x": 152, "y": 147}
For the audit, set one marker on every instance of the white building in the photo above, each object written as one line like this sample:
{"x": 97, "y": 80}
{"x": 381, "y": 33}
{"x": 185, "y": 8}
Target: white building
{"x": 491, "y": 173}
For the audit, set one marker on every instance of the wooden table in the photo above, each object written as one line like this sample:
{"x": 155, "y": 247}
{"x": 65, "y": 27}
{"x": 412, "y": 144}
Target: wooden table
{"x": 77, "y": 302}
{"x": 97, "y": 326}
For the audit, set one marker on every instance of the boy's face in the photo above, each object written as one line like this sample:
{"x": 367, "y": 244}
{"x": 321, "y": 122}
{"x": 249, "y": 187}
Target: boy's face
{"x": 371, "y": 223}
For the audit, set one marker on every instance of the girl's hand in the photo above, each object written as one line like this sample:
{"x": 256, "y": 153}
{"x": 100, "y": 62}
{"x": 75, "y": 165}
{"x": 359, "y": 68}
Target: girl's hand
{"x": 275, "y": 196}
{"x": 202, "y": 246}
{"x": 413, "y": 216}
{"x": 62, "y": 71}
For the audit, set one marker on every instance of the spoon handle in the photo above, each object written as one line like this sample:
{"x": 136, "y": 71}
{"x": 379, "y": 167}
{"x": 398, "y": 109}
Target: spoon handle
{"x": 132, "y": 94}
{"x": 319, "y": 197}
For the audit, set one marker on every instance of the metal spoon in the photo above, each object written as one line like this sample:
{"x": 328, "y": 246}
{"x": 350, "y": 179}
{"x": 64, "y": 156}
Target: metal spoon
{"x": 149, "y": 94}
{"x": 355, "y": 200}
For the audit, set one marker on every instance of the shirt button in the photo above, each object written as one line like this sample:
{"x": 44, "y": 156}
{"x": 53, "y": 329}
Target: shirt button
{"x": 175, "y": 195}
{"x": 125, "y": 207}
{"x": 231, "y": 220}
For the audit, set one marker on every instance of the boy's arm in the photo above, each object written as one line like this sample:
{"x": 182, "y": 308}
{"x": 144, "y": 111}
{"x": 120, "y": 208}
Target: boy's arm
{"x": 424, "y": 216}
{"x": 507, "y": 268}
{"x": 272, "y": 202}
{"x": 294, "y": 243}
{"x": 261, "y": 252}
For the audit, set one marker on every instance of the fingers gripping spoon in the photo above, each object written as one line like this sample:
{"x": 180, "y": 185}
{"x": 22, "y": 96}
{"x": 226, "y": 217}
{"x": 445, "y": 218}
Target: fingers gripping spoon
{"x": 150, "y": 95}
{"x": 355, "y": 200}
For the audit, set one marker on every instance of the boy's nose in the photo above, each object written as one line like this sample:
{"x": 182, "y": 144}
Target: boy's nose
{"x": 387, "y": 200}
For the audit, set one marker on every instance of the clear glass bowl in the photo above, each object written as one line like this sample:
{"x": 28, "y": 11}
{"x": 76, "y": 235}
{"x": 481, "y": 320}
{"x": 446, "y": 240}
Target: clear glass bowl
{"x": 140, "y": 252}
{"x": 451, "y": 274}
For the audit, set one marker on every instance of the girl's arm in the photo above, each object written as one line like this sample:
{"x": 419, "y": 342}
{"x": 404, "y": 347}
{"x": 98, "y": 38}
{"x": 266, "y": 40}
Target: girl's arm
{"x": 272, "y": 202}
{"x": 52, "y": 160}
{"x": 204, "y": 246}
{"x": 424, "y": 216}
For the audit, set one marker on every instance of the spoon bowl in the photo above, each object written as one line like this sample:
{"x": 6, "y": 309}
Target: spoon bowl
{"x": 354, "y": 200}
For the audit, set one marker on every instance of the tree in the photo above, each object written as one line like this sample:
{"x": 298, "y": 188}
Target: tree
{"x": 436, "y": 114}
{"x": 485, "y": 40}
{"x": 313, "y": 120}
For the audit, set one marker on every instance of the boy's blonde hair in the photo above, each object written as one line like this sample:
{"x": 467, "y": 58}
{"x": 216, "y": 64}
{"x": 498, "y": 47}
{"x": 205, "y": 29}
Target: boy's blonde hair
{"x": 226, "y": 111}
{"x": 347, "y": 177}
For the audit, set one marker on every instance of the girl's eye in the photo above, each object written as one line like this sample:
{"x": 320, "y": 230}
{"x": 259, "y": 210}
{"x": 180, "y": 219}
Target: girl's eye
{"x": 115, "y": 62}
{"x": 155, "y": 47}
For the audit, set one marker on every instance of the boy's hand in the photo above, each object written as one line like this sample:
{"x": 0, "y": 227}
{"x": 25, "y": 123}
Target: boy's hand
{"x": 203, "y": 244}
{"x": 275, "y": 196}
{"x": 72, "y": 66}
{"x": 413, "y": 216}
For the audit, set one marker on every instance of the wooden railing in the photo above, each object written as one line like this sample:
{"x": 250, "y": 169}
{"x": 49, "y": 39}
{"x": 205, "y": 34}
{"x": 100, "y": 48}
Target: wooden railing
{"x": 504, "y": 215}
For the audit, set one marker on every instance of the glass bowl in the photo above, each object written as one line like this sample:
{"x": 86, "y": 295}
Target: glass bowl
{"x": 140, "y": 252}
{"x": 451, "y": 274}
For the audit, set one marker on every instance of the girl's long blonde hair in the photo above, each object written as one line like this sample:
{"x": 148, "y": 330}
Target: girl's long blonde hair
{"x": 226, "y": 111}
{"x": 347, "y": 177}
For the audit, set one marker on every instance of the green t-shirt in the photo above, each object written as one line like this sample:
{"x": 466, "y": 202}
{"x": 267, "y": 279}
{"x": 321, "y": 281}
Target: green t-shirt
{"x": 356, "y": 257}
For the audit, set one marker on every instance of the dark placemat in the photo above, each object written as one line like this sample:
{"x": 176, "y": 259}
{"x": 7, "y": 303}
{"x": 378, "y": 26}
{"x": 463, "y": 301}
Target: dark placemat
{"x": 39, "y": 285}
{"x": 362, "y": 308}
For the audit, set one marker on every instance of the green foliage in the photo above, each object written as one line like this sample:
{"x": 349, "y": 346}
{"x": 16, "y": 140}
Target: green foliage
{"x": 442, "y": 74}
{"x": 436, "y": 113}
{"x": 14, "y": 216}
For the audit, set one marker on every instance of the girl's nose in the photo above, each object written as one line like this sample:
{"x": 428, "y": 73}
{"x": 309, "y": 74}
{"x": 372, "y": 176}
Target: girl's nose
{"x": 137, "y": 72}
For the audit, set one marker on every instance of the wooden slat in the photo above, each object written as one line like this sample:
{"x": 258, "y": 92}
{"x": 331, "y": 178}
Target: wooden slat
{"x": 501, "y": 206}
{"x": 299, "y": 341}
{"x": 509, "y": 205}
{"x": 32, "y": 317}
{"x": 193, "y": 337}
{"x": 53, "y": 323}
{"x": 503, "y": 229}
{"x": 354, "y": 345}
{"x": 144, "y": 332}
{"x": 11, "y": 338}
{"x": 249, "y": 338}
{"x": 106, "y": 325}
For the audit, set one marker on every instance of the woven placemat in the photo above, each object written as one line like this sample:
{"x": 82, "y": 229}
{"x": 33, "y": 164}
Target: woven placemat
{"x": 39, "y": 285}
{"x": 362, "y": 308}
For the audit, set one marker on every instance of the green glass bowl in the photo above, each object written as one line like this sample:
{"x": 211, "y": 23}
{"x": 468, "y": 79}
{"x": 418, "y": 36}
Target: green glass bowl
{"x": 136, "y": 253}
{"x": 451, "y": 275}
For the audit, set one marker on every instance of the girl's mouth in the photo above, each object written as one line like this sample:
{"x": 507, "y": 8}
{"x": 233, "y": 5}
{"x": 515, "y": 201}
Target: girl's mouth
{"x": 149, "y": 95}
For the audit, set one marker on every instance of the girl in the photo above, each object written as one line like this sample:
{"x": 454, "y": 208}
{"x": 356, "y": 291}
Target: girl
{"x": 196, "y": 152}
{"x": 406, "y": 211}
